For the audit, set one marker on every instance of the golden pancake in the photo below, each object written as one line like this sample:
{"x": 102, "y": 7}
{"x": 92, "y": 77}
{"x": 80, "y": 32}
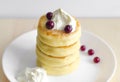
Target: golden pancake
{"x": 60, "y": 70}
{"x": 56, "y": 61}
{"x": 57, "y": 38}
{"x": 58, "y": 51}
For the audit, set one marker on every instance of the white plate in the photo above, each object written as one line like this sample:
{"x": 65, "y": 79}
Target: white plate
{"x": 21, "y": 54}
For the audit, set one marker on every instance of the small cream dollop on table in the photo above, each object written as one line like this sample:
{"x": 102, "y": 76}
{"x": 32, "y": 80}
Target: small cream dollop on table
{"x": 36, "y": 74}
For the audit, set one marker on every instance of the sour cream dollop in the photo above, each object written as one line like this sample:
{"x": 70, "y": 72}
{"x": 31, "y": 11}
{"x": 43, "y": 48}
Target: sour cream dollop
{"x": 32, "y": 75}
{"x": 61, "y": 19}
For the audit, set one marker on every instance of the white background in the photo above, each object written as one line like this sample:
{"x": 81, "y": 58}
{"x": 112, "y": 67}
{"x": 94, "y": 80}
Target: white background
{"x": 79, "y": 8}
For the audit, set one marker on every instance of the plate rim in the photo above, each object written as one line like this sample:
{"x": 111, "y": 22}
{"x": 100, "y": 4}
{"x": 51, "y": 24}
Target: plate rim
{"x": 3, "y": 54}
{"x": 91, "y": 33}
{"x": 111, "y": 49}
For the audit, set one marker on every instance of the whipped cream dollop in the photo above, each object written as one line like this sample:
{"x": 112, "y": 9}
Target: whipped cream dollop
{"x": 32, "y": 75}
{"x": 61, "y": 19}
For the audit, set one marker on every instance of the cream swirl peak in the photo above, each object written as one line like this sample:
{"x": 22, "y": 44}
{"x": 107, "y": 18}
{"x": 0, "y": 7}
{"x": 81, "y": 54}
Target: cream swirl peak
{"x": 61, "y": 19}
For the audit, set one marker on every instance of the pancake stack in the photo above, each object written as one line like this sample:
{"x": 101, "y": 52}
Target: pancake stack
{"x": 57, "y": 51}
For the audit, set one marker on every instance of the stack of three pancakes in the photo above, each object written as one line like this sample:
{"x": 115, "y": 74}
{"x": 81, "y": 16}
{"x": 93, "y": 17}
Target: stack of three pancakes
{"x": 57, "y": 52}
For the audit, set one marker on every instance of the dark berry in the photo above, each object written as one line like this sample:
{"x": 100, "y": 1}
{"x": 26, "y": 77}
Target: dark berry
{"x": 68, "y": 28}
{"x": 49, "y": 15}
{"x": 83, "y": 48}
{"x": 91, "y": 52}
{"x": 49, "y": 24}
{"x": 96, "y": 60}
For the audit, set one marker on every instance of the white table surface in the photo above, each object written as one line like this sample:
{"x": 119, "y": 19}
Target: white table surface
{"x": 78, "y": 8}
